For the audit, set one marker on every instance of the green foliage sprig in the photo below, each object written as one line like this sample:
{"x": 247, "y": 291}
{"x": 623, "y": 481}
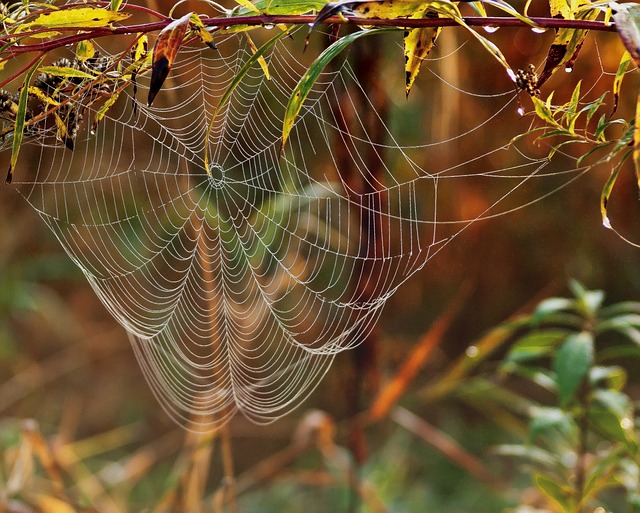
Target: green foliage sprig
{"x": 585, "y": 440}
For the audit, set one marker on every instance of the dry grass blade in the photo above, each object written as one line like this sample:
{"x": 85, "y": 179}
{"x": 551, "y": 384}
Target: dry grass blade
{"x": 390, "y": 395}
{"x": 481, "y": 349}
{"x": 444, "y": 444}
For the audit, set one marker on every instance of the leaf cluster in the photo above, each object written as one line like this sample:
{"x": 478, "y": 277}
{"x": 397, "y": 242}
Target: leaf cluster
{"x": 585, "y": 440}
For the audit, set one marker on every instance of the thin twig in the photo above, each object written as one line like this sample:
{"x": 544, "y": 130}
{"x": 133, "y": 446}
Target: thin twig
{"x": 263, "y": 19}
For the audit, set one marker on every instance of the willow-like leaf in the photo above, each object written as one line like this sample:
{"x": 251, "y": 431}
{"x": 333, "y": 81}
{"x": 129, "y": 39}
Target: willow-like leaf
{"x": 66, "y": 72}
{"x": 567, "y": 44}
{"x": 627, "y": 18}
{"x": 164, "y": 53}
{"x": 21, "y": 115}
{"x": 606, "y": 192}
{"x": 418, "y": 43}
{"x": 239, "y": 76}
{"x": 281, "y": 7}
{"x": 304, "y": 86}
{"x": 205, "y": 36}
{"x": 81, "y": 17}
{"x": 620, "y": 74}
{"x": 102, "y": 111}
{"x": 261, "y": 59}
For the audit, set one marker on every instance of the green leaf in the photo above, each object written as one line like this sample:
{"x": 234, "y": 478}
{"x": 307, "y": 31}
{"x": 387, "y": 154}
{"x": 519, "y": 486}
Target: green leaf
{"x": 556, "y": 492}
{"x": 102, "y": 111}
{"x": 543, "y": 111}
{"x": 546, "y": 421}
{"x": 542, "y": 377}
{"x": 115, "y": 5}
{"x": 304, "y": 86}
{"x": 529, "y": 453}
{"x": 284, "y": 7}
{"x": 239, "y": 76}
{"x": 21, "y": 115}
{"x": 535, "y": 345}
{"x": 611, "y": 415}
{"x": 551, "y": 305}
{"x": 571, "y": 364}
{"x": 606, "y": 194}
{"x": 613, "y": 376}
{"x": 588, "y": 301}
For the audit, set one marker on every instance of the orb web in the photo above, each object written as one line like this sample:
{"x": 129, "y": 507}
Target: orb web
{"x": 238, "y": 284}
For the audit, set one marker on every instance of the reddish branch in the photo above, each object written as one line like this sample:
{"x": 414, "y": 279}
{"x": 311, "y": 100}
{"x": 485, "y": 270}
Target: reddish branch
{"x": 80, "y": 34}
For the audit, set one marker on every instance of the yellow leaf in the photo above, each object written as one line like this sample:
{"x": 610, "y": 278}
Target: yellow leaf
{"x": 80, "y": 17}
{"x": 104, "y": 109}
{"x": 85, "y": 50}
{"x": 417, "y": 45}
{"x": 248, "y": 5}
{"x": 261, "y": 60}
{"x": 67, "y": 72}
{"x": 560, "y": 8}
{"x": 141, "y": 48}
{"x": 204, "y": 35}
{"x": 63, "y": 131}
{"x": 386, "y": 8}
{"x": 40, "y": 94}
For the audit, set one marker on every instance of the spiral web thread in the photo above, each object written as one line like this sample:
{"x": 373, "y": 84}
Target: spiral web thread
{"x": 239, "y": 286}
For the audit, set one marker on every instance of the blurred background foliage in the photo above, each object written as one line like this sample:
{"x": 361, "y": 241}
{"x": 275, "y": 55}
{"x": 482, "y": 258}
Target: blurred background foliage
{"x": 79, "y": 428}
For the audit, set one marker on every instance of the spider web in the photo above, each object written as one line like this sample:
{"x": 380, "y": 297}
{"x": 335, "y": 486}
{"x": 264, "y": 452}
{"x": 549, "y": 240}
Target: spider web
{"x": 238, "y": 284}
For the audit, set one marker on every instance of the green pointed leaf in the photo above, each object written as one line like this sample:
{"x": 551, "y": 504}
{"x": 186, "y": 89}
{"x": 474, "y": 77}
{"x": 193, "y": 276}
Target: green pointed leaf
{"x": 571, "y": 364}
{"x": 115, "y": 5}
{"x": 535, "y": 345}
{"x": 611, "y": 414}
{"x": 239, "y": 76}
{"x": 546, "y": 421}
{"x": 555, "y": 491}
{"x": 606, "y": 193}
{"x": 613, "y": 376}
{"x": 543, "y": 111}
{"x": 102, "y": 111}
{"x": 551, "y": 305}
{"x": 21, "y": 115}
{"x": 284, "y": 7}
{"x": 529, "y": 453}
{"x": 304, "y": 86}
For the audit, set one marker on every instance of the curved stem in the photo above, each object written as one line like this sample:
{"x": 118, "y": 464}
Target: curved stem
{"x": 263, "y": 19}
